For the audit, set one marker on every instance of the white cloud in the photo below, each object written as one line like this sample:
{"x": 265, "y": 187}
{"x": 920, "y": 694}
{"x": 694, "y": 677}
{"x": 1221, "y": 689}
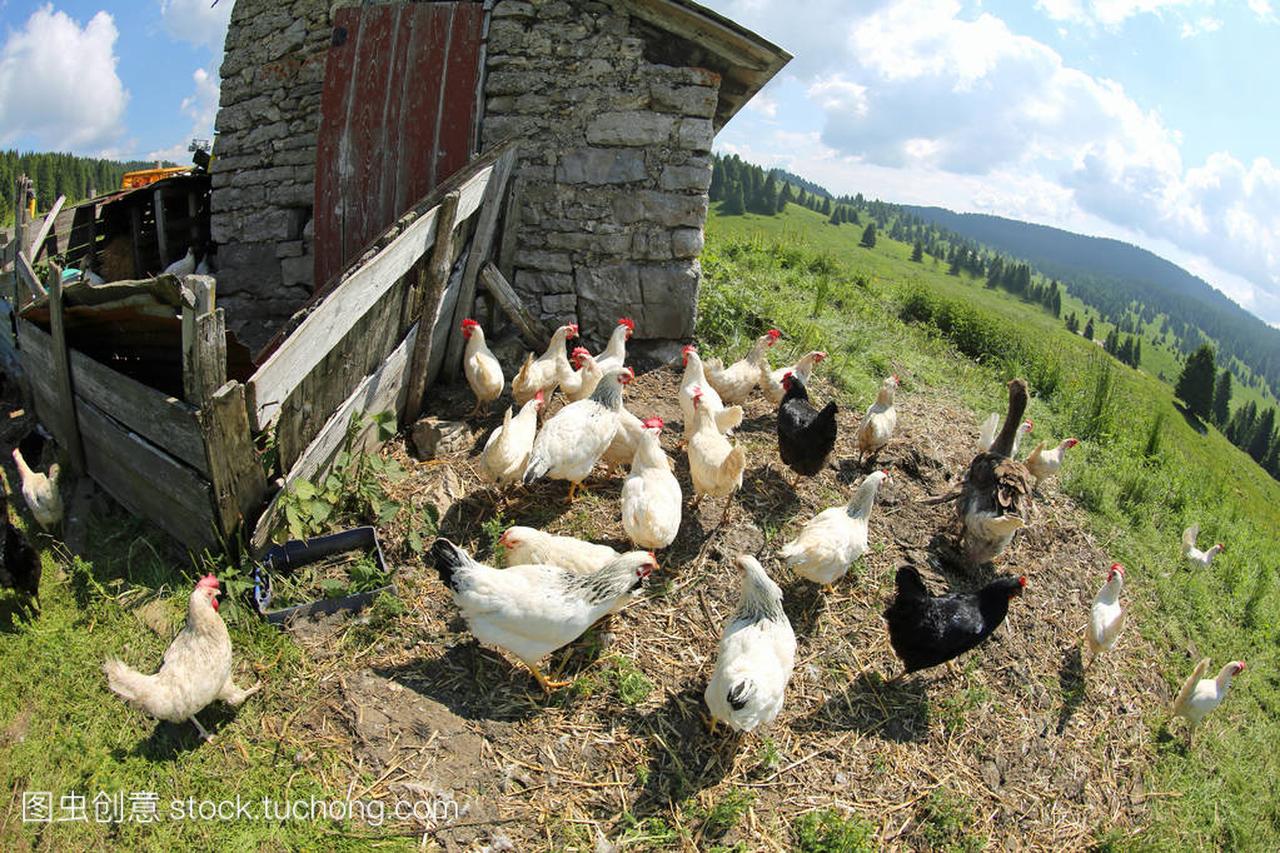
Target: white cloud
{"x": 197, "y": 21}
{"x": 1263, "y": 9}
{"x": 925, "y": 103}
{"x": 1108, "y": 13}
{"x": 1201, "y": 26}
{"x": 201, "y": 107}
{"x": 763, "y": 104}
{"x": 58, "y": 84}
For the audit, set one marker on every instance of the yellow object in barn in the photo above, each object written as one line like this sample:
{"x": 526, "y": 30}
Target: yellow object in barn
{"x": 142, "y": 177}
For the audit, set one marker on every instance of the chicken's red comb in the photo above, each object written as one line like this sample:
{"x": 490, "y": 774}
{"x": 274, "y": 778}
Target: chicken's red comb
{"x": 628, "y": 322}
{"x": 207, "y": 581}
{"x": 540, "y": 397}
{"x": 468, "y": 323}
{"x": 1116, "y": 567}
{"x": 653, "y": 423}
{"x": 774, "y": 333}
{"x": 788, "y": 374}
{"x": 628, "y": 375}
{"x": 1022, "y": 581}
{"x": 573, "y": 331}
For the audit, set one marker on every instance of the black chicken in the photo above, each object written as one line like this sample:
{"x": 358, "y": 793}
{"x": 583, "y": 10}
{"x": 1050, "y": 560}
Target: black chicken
{"x": 926, "y": 630}
{"x": 805, "y": 435}
{"x": 19, "y": 562}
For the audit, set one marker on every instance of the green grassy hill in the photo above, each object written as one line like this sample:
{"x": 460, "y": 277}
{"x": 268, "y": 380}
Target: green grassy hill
{"x": 1143, "y": 472}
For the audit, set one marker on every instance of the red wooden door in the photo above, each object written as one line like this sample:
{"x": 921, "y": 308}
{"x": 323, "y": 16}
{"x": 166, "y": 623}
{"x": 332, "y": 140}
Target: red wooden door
{"x": 397, "y": 118}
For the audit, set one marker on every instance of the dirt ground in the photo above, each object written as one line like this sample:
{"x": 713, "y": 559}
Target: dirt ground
{"x": 1042, "y": 754}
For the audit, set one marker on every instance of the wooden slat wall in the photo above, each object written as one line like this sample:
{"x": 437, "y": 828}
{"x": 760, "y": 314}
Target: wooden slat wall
{"x": 398, "y": 114}
{"x": 163, "y": 420}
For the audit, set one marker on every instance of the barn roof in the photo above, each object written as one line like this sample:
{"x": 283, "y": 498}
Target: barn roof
{"x": 703, "y": 38}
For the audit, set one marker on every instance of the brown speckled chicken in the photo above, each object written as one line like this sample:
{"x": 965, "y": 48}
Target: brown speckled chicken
{"x": 996, "y": 497}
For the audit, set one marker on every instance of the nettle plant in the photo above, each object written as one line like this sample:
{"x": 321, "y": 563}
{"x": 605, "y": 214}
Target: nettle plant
{"x": 353, "y": 490}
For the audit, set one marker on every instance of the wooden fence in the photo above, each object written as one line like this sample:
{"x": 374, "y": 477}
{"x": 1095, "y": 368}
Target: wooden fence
{"x": 369, "y": 342}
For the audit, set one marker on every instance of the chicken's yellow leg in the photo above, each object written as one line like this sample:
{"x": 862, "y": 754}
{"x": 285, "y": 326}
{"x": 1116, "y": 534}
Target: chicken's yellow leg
{"x": 546, "y": 683}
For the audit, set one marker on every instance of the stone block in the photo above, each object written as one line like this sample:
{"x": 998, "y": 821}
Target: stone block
{"x": 695, "y": 134}
{"x": 687, "y": 177}
{"x": 298, "y": 272}
{"x": 670, "y": 293}
{"x": 661, "y": 208}
{"x": 606, "y": 293}
{"x": 531, "y": 281}
{"x": 686, "y": 242}
{"x": 685, "y": 100}
{"x": 559, "y": 303}
{"x": 248, "y": 267}
{"x": 542, "y": 260}
{"x": 601, "y": 166}
{"x": 630, "y": 128}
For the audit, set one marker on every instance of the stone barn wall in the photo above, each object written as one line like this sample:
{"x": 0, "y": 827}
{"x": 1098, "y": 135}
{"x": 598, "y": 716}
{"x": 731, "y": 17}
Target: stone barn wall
{"x": 615, "y": 119}
{"x": 614, "y": 165}
{"x": 263, "y": 173}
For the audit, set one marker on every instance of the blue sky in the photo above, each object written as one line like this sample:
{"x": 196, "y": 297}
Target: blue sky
{"x": 1151, "y": 121}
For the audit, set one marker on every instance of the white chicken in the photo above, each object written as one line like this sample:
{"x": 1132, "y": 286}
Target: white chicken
{"x": 879, "y": 422}
{"x": 715, "y": 464}
{"x": 771, "y": 380}
{"x": 987, "y": 434}
{"x": 1189, "y": 549}
{"x": 195, "y": 671}
{"x": 735, "y": 383}
{"x": 614, "y": 355}
{"x": 623, "y": 447}
{"x": 483, "y": 372}
{"x": 1106, "y": 616}
{"x": 726, "y": 419}
{"x": 532, "y": 610}
{"x": 529, "y": 546}
{"x": 833, "y": 539}
{"x": 1046, "y": 463}
{"x": 570, "y": 444}
{"x": 577, "y": 382}
{"x": 757, "y": 655}
{"x": 543, "y": 373}
{"x": 41, "y": 492}
{"x": 1200, "y": 695}
{"x": 651, "y": 496}
{"x": 506, "y": 453}
{"x": 184, "y": 265}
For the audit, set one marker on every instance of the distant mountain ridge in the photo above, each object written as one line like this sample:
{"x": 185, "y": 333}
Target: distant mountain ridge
{"x": 1110, "y": 275}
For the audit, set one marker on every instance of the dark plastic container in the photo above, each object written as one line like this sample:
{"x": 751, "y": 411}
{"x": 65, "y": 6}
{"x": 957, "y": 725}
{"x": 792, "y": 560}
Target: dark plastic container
{"x": 296, "y": 553}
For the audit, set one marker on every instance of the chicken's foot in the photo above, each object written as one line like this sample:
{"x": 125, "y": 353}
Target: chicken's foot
{"x": 547, "y": 685}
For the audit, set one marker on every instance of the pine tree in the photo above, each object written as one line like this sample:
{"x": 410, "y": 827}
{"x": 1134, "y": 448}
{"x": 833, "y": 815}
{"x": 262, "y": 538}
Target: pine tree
{"x": 917, "y": 252}
{"x": 1195, "y": 385}
{"x": 868, "y": 236}
{"x": 826, "y": 206}
{"x": 785, "y": 197}
{"x": 835, "y": 216}
{"x": 1221, "y": 411}
{"x": 734, "y": 203}
{"x": 1088, "y": 328}
{"x": 716, "y": 191}
{"x": 1240, "y": 428}
{"x": 1263, "y": 436}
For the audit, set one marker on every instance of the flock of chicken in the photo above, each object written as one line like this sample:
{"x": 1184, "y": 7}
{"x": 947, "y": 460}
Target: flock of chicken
{"x": 555, "y": 587}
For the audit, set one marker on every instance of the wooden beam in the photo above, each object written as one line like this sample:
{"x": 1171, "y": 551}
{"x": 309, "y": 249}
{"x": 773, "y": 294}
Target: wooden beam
{"x": 23, "y": 271}
{"x": 531, "y": 329}
{"x": 198, "y": 294}
{"x": 381, "y": 391}
{"x": 135, "y": 223}
{"x": 344, "y": 305}
{"x": 62, "y": 373}
{"x": 238, "y": 481}
{"x": 162, "y": 233}
{"x": 38, "y": 243}
{"x": 206, "y": 372}
{"x": 510, "y": 230}
{"x": 481, "y": 248}
{"x": 428, "y": 304}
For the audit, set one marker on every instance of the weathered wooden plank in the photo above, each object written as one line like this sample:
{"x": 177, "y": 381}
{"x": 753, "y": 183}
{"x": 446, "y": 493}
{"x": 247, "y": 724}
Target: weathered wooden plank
{"x": 510, "y": 230}
{"x": 531, "y": 329}
{"x": 381, "y": 391}
{"x": 481, "y": 248}
{"x": 162, "y": 229}
{"x": 22, "y": 269}
{"x": 433, "y": 290}
{"x": 343, "y": 307}
{"x": 38, "y": 243}
{"x": 135, "y": 225}
{"x": 62, "y": 372}
{"x": 421, "y": 96}
{"x": 163, "y": 420}
{"x": 198, "y": 294}
{"x": 236, "y": 475}
{"x": 147, "y": 481}
{"x": 443, "y": 322}
{"x": 208, "y": 371}
{"x": 457, "y": 114}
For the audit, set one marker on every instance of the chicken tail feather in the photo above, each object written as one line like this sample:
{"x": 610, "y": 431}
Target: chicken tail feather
{"x": 735, "y": 463}
{"x": 447, "y": 558}
{"x": 537, "y": 468}
{"x": 740, "y": 694}
{"x": 126, "y": 682}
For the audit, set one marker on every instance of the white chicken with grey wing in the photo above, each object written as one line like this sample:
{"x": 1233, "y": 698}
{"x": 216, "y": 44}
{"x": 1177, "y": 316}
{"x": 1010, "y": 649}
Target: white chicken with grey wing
{"x": 506, "y": 452}
{"x": 1200, "y": 695}
{"x": 1191, "y": 552}
{"x": 757, "y": 655}
{"x": 532, "y": 610}
{"x": 570, "y": 444}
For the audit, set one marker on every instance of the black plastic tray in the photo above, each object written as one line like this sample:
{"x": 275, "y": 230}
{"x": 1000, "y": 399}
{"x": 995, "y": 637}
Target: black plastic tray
{"x": 296, "y": 553}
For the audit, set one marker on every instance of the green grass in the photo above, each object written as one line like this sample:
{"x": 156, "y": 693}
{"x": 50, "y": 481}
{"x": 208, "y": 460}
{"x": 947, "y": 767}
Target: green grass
{"x": 1143, "y": 472}
{"x": 829, "y": 831}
